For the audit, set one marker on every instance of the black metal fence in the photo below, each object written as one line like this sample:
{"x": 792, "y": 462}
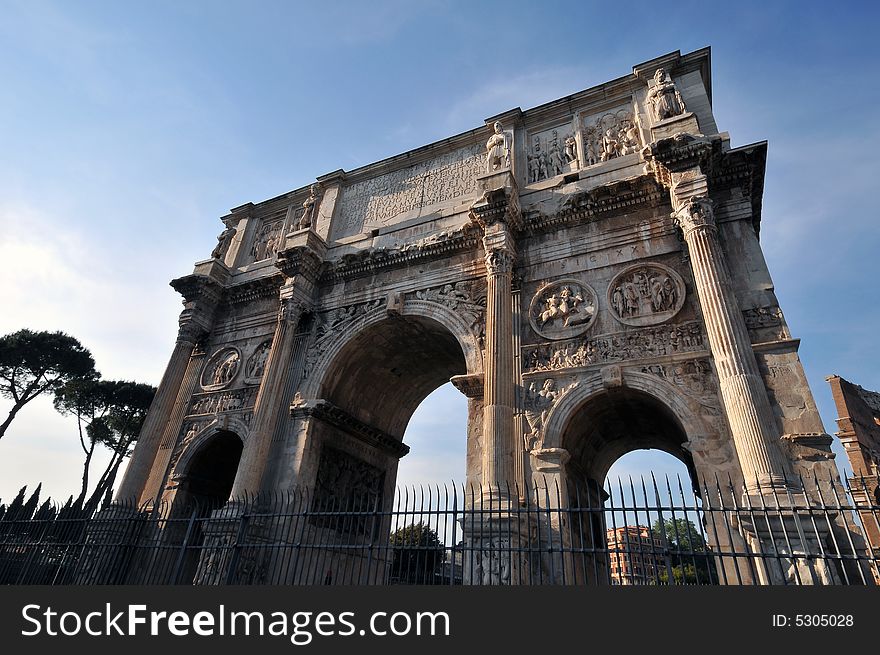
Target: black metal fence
{"x": 629, "y": 532}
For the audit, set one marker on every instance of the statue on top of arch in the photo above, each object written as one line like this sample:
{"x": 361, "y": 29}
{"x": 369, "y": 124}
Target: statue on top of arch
{"x": 664, "y": 97}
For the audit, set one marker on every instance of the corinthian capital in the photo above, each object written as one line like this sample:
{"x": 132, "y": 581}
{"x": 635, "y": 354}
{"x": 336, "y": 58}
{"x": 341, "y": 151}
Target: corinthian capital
{"x": 695, "y": 213}
{"x": 499, "y": 262}
{"x": 291, "y": 310}
{"x": 191, "y": 330}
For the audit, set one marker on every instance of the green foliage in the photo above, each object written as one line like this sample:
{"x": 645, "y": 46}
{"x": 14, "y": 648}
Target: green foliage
{"x": 109, "y": 413}
{"x": 690, "y": 559}
{"x": 418, "y": 554}
{"x": 32, "y": 363}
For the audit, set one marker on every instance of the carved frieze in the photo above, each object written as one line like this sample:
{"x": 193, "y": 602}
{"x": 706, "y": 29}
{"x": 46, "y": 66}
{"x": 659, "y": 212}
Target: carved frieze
{"x": 762, "y": 317}
{"x": 192, "y": 429}
{"x": 332, "y": 324}
{"x": 551, "y": 153}
{"x": 696, "y": 380}
{"x": 693, "y": 376}
{"x": 609, "y": 136}
{"x": 646, "y": 294}
{"x": 376, "y": 201}
{"x": 538, "y": 400}
{"x": 466, "y": 298}
{"x": 563, "y": 309}
{"x": 223, "y": 401}
{"x": 256, "y": 363}
{"x": 618, "y": 347}
{"x": 493, "y": 563}
{"x": 220, "y": 369}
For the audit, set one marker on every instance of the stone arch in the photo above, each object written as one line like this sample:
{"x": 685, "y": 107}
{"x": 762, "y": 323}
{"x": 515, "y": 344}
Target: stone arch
{"x": 586, "y": 389}
{"x": 207, "y": 468}
{"x": 353, "y": 408}
{"x": 385, "y": 364}
{"x": 457, "y": 325}
{"x": 678, "y": 424}
{"x": 229, "y": 423}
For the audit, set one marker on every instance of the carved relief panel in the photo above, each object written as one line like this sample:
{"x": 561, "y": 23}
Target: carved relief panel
{"x": 551, "y": 152}
{"x": 378, "y": 200}
{"x": 268, "y": 240}
{"x": 346, "y": 483}
{"x": 220, "y": 369}
{"x": 538, "y": 399}
{"x": 618, "y": 347}
{"x": 646, "y": 294}
{"x": 256, "y": 363}
{"x": 609, "y": 135}
{"x": 563, "y": 309}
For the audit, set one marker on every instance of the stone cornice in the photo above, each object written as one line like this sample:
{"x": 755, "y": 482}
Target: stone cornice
{"x": 339, "y": 418}
{"x": 678, "y": 153}
{"x": 198, "y": 288}
{"x": 299, "y": 260}
{"x": 470, "y": 385}
{"x": 369, "y": 261}
{"x": 498, "y": 201}
{"x": 743, "y": 167}
{"x": 624, "y": 195}
{"x": 256, "y": 289}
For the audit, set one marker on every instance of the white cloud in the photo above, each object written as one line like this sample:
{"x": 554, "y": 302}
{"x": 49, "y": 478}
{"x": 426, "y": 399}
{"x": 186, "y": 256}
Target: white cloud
{"x": 62, "y": 278}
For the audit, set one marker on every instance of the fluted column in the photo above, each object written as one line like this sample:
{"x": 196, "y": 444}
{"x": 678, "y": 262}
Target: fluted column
{"x": 159, "y": 473}
{"x": 498, "y": 392}
{"x": 300, "y": 264}
{"x": 270, "y": 405}
{"x": 742, "y": 389}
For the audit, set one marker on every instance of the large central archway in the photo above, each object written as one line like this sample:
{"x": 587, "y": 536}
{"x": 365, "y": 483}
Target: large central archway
{"x": 385, "y": 370}
{"x": 354, "y": 410}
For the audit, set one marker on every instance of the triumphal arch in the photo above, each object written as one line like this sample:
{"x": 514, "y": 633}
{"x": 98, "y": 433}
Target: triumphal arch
{"x": 588, "y": 273}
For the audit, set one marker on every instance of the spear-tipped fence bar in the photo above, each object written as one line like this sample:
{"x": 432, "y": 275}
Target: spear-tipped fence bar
{"x": 629, "y": 532}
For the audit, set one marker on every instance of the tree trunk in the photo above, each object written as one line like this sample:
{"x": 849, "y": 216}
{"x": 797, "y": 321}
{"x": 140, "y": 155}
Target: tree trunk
{"x": 107, "y": 478}
{"x": 17, "y": 406}
{"x": 85, "y": 476}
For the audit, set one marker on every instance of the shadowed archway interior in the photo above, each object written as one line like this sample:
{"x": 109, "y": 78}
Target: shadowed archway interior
{"x": 211, "y": 472}
{"x": 615, "y": 423}
{"x": 384, "y": 373}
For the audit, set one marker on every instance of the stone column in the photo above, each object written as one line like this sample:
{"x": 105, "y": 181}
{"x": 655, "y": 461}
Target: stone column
{"x": 498, "y": 392}
{"x": 201, "y": 295}
{"x": 742, "y": 389}
{"x": 300, "y": 264}
{"x": 497, "y": 213}
{"x": 269, "y": 406}
{"x": 159, "y": 474}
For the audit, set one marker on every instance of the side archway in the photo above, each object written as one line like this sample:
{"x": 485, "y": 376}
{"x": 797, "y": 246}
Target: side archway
{"x": 598, "y": 422}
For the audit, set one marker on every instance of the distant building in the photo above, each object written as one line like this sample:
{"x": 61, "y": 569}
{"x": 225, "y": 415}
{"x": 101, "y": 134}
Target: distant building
{"x": 635, "y": 555}
{"x": 858, "y": 424}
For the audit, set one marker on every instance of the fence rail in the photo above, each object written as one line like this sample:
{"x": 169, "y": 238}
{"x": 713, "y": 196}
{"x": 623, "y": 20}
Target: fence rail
{"x": 630, "y": 532}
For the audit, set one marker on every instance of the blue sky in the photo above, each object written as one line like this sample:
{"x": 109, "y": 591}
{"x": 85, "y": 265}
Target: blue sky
{"x": 127, "y": 129}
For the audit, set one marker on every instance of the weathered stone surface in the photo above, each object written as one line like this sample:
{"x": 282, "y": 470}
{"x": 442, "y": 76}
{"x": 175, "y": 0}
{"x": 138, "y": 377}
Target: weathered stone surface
{"x": 587, "y": 272}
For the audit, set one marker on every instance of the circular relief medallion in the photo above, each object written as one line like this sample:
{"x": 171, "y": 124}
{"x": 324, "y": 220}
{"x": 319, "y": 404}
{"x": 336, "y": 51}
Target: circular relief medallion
{"x": 563, "y": 309}
{"x": 646, "y": 294}
{"x": 221, "y": 369}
